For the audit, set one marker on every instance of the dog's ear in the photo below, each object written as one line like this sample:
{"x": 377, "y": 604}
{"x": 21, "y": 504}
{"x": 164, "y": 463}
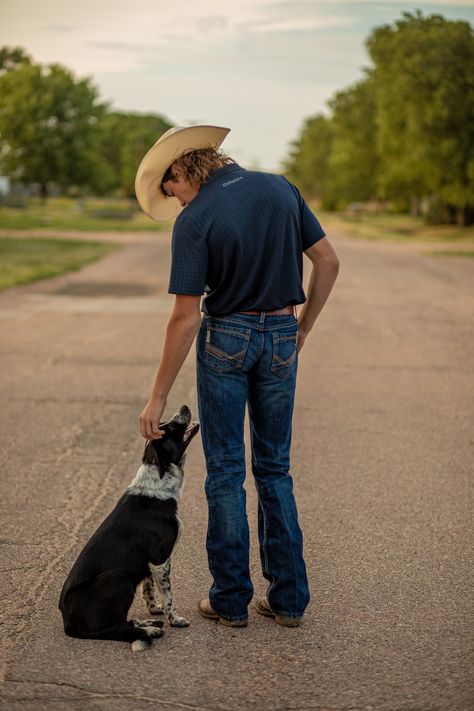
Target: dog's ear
{"x": 150, "y": 454}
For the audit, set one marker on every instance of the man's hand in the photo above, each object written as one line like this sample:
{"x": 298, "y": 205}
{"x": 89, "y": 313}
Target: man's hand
{"x": 149, "y": 419}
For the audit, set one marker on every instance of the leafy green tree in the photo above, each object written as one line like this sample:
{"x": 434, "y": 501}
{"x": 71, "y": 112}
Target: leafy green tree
{"x": 11, "y": 58}
{"x": 47, "y": 125}
{"x": 353, "y": 159}
{"x": 308, "y": 161}
{"x": 54, "y": 130}
{"x": 123, "y": 139}
{"x": 334, "y": 159}
{"x": 404, "y": 133}
{"x": 424, "y": 77}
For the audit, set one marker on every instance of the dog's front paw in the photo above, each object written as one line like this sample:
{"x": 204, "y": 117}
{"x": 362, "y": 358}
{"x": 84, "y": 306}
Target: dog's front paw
{"x": 153, "y": 632}
{"x": 148, "y": 623}
{"x": 177, "y": 621}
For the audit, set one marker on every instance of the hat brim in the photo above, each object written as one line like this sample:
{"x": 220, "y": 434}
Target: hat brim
{"x": 158, "y": 159}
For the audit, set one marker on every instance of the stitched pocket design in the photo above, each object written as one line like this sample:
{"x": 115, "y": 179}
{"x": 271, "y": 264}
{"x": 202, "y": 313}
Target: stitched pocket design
{"x": 225, "y": 347}
{"x": 285, "y": 354}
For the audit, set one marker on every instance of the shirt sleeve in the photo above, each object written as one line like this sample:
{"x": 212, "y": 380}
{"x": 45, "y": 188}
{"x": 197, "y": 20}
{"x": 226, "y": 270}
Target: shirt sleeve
{"x": 311, "y": 230}
{"x": 188, "y": 259}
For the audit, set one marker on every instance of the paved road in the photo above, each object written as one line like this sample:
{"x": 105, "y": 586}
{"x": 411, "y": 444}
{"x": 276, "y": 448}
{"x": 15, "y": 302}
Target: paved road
{"x": 382, "y": 461}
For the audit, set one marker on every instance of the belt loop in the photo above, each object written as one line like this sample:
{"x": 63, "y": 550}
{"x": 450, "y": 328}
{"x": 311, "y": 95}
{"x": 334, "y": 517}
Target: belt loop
{"x": 262, "y": 317}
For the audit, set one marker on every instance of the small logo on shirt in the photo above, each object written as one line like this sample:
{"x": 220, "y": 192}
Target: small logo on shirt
{"x": 235, "y": 180}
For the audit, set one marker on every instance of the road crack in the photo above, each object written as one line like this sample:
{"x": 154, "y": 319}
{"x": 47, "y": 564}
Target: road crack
{"x": 96, "y": 693}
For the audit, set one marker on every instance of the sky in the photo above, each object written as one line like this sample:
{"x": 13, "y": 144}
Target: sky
{"x": 260, "y": 68}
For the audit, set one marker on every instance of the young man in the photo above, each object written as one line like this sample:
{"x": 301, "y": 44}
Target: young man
{"x": 240, "y": 240}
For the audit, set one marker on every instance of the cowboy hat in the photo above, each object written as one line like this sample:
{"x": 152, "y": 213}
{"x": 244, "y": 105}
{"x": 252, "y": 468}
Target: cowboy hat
{"x": 169, "y": 147}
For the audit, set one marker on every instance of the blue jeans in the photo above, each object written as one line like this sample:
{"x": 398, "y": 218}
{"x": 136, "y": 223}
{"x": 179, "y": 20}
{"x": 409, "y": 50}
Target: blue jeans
{"x": 252, "y": 359}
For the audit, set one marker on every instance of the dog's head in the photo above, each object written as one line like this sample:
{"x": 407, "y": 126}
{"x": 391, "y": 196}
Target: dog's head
{"x": 171, "y": 448}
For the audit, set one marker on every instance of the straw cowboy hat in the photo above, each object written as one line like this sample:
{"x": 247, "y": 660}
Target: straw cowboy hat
{"x": 170, "y": 146}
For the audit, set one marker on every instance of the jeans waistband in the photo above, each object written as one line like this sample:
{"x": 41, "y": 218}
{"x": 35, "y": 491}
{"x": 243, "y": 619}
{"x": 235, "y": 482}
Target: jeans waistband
{"x": 275, "y": 312}
{"x": 260, "y": 321}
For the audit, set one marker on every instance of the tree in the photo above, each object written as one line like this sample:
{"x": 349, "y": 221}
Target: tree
{"x": 123, "y": 139}
{"x": 307, "y": 164}
{"x": 353, "y": 159}
{"x": 54, "y": 130}
{"x": 47, "y": 125}
{"x": 334, "y": 159}
{"x": 11, "y": 58}
{"x": 424, "y": 78}
{"x": 405, "y": 132}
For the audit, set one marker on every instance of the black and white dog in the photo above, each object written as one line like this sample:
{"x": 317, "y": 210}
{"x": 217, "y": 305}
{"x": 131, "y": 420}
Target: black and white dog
{"x": 132, "y": 546}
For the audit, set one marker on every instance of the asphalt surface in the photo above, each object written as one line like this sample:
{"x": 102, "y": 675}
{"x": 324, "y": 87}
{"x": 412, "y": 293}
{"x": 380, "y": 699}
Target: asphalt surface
{"x": 382, "y": 462}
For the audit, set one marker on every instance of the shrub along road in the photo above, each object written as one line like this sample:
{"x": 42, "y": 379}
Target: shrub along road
{"x": 381, "y": 458}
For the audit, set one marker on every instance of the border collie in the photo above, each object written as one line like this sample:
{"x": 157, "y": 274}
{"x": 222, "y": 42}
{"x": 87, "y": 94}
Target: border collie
{"x": 132, "y": 546}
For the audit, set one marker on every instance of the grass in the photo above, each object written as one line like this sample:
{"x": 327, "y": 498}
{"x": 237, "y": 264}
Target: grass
{"x": 453, "y": 252}
{"x": 394, "y": 227}
{"x": 91, "y": 214}
{"x": 23, "y": 260}
{"x": 116, "y": 215}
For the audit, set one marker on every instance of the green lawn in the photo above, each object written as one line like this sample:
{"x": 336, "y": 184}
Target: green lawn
{"x": 452, "y": 252}
{"x": 393, "y": 227}
{"x": 115, "y": 215}
{"x": 91, "y": 214}
{"x": 23, "y": 260}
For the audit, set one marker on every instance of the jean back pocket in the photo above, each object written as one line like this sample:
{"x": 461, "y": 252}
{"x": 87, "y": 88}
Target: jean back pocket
{"x": 225, "y": 347}
{"x": 285, "y": 354}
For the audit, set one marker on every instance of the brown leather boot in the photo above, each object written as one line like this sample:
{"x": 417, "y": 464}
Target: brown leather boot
{"x": 205, "y": 609}
{"x": 263, "y": 608}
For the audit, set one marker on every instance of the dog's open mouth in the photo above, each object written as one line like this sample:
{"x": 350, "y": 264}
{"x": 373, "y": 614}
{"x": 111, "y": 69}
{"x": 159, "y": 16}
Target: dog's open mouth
{"x": 190, "y": 431}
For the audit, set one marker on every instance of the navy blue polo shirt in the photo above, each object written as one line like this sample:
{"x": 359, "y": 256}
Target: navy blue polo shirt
{"x": 240, "y": 241}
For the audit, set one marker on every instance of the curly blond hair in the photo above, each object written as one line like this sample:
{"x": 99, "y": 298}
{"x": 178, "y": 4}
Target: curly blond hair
{"x": 195, "y": 166}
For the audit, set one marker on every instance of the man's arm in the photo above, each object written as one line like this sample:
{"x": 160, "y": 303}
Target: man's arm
{"x": 323, "y": 275}
{"x": 182, "y": 327}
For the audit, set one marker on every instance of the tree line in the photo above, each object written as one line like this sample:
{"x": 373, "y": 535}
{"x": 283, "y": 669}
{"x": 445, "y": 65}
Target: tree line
{"x": 56, "y": 132}
{"x": 404, "y": 134}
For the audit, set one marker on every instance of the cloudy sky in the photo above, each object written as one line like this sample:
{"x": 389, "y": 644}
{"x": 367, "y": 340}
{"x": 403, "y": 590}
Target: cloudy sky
{"x": 258, "y": 67}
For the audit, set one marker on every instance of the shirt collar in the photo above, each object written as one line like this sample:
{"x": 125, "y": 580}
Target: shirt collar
{"x": 220, "y": 172}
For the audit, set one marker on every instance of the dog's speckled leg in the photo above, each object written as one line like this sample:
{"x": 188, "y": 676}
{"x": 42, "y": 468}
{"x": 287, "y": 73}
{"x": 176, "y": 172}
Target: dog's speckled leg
{"x": 161, "y": 576}
{"x": 148, "y": 623}
{"x": 148, "y": 590}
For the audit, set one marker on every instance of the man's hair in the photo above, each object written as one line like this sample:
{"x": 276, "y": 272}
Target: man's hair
{"x": 196, "y": 165}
